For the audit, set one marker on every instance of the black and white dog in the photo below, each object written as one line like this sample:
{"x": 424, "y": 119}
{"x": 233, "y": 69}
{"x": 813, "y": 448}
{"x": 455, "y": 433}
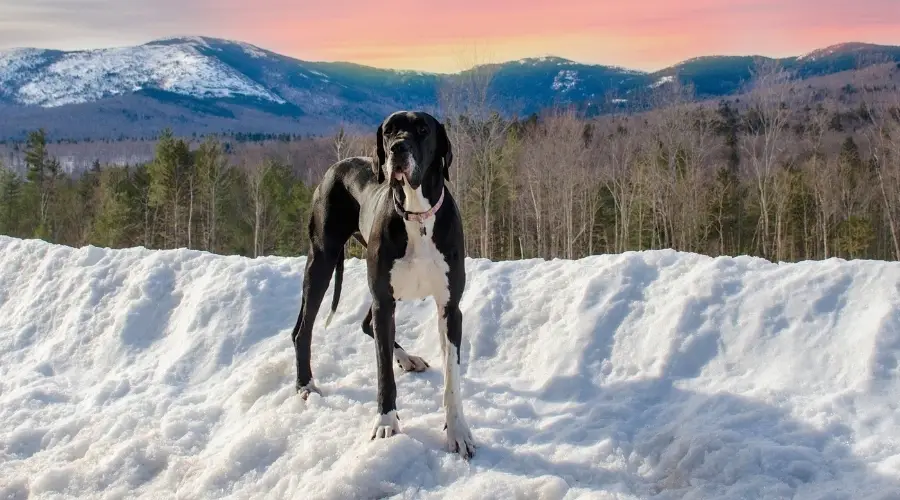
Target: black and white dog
{"x": 399, "y": 208}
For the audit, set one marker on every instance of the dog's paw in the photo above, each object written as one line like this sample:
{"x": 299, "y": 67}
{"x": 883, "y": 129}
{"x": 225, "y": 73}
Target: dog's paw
{"x": 410, "y": 363}
{"x": 305, "y": 390}
{"x": 459, "y": 438}
{"x": 386, "y": 425}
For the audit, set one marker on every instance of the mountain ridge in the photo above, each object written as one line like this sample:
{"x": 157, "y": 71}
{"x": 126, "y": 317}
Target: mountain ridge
{"x": 202, "y": 80}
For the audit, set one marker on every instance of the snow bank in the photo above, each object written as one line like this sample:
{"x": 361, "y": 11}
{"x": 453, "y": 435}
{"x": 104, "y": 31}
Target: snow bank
{"x": 644, "y": 375}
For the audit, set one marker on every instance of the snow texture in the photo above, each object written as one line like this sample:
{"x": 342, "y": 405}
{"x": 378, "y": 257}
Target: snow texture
{"x": 169, "y": 374}
{"x": 14, "y": 63}
{"x": 662, "y": 81}
{"x": 15, "y": 60}
{"x": 87, "y": 76}
{"x": 565, "y": 80}
{"x": 833, "y": 49}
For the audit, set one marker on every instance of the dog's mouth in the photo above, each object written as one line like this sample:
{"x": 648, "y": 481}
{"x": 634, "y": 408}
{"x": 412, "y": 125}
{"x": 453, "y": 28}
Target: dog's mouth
{"x": 401, "y": 169}
{"x": 400, "y": 181}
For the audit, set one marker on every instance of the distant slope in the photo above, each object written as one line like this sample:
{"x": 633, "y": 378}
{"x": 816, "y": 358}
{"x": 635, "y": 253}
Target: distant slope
{"x": 531, "y": 85}
{"x": 658, "y": 374}
{"x": 722, "y": 75}
{"x": 206, "y": 84}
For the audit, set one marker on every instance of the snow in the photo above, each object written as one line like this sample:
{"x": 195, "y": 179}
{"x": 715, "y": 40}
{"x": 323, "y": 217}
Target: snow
{"x": 86, "y": 76}
{"x": 253, "y": 51}
{"x": 662, "y": 81}
{"x": 196, "y": 41}
{"x": 16, "y": 62}
{"x": 565, "y": 80}
{"x": 833, "y": 49}
{"x": 537, "y": 61}
{"x": 169, "y": 374}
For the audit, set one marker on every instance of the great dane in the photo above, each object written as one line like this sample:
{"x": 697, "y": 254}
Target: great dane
{"x": 398, "y": 206}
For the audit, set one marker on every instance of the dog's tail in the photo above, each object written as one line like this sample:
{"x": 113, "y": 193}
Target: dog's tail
{"x": 338, "y": 281}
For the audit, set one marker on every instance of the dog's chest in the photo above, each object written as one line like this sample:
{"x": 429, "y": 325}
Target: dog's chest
{"x": 422, "y": 272}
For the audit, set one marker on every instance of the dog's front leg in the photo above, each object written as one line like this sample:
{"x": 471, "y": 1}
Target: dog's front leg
{"x": 459, "y": 438}
{"x": 386, "y": 423}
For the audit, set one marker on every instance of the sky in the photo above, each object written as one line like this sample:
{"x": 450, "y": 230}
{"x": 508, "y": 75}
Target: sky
{"x": 415, "y": 34}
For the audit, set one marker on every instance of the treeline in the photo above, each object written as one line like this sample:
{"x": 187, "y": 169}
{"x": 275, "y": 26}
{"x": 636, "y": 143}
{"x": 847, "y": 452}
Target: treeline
{"x": 228, "y": 136}
{"x": 182, "y": 199}
{"x": 785, "y": 171}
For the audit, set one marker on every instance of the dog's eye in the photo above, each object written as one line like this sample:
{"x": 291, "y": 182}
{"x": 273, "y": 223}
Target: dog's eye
{"x": 423, "y": 130}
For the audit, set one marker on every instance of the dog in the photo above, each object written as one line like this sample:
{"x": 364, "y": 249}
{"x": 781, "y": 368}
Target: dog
{"x": 398, "y": 207}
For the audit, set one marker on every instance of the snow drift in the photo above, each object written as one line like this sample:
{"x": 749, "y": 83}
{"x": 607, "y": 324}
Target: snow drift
{"x": 169, "y": 374}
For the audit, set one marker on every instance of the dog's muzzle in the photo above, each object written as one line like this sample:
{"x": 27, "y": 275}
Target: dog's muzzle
{"x": 401, "y": 161}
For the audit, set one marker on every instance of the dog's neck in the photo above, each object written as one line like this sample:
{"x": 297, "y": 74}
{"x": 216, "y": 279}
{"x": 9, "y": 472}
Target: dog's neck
{"x": 415, "y": 200}
{"x": 420, "y": 205}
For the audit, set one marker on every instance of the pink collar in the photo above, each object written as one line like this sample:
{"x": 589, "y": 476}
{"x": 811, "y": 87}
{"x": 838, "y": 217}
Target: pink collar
{"x": 421, "y": 217}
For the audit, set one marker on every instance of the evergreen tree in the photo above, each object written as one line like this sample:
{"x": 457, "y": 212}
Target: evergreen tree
{"x": 170, "y": 183}
{"x": 10, "y": 194}
{"x": 113, "y": 218}
{"x": 42, "y": 174}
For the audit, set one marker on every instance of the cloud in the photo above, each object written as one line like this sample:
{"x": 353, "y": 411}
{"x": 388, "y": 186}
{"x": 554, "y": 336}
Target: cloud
{"x": 71, "y": 24}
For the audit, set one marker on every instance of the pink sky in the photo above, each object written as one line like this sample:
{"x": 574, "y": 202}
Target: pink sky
{"x": 640, "y": 34}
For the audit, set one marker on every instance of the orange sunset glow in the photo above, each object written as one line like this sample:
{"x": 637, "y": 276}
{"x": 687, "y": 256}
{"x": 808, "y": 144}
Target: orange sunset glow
{"x": 648, "y": 34}
{"x": 642, "y": 35}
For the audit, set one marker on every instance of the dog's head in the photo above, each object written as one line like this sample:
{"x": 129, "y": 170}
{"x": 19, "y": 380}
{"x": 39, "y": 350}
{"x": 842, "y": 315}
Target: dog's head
{"x": 413, "y": 147}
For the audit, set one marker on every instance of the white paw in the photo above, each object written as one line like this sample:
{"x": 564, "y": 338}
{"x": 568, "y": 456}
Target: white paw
{"x": 459, "y": 439}
{"x": 306, "y": 390}
{"x": 410, "y": 363}
{"x": 386, "y": 425}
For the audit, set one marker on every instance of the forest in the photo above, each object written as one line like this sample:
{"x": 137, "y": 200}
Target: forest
{"x": 788, "y": 170}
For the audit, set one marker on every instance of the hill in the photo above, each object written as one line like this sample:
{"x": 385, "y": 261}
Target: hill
{"x": 640, "y": 375}
{"x": 204, "y": 85}
{"x": 714, "y": 76}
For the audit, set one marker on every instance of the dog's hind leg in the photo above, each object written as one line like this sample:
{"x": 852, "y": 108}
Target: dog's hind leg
{"x": 319, "y": 266}
{"x": 407, "y": 362}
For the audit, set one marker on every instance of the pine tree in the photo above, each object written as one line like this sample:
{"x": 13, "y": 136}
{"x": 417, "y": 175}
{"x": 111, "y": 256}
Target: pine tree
{"x": 113, "y": 217}
{"x": 10, "y": 194}
{"x": 169, "y": 184}
{"x": 42, "y": 174}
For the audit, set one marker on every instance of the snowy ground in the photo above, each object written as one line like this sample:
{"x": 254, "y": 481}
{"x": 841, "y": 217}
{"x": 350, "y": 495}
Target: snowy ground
{"x": 644, "y": 375}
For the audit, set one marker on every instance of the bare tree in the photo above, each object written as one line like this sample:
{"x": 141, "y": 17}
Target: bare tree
{"x": 348, "y": 144}
{"x": 765, "y": 124}
{"x": 616, "y": 174}
{"x": 256, "y": 174}
{"x": 818, "y": 174}
{"x": 479, "y": 135}
{"x": 211, "y": 170}
{"x": 884, "y": 142}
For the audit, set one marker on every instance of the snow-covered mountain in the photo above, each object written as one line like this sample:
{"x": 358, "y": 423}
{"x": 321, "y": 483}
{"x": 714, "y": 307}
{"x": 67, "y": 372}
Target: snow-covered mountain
{"x": 194, "y": 84}
{"x": 647, "y": 375}
{"x": 200, "y": 84}
{"x": 57, "y": 79}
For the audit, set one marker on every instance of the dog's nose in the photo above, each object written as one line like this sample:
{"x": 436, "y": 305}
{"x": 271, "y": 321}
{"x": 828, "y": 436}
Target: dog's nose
{"x": 399, "y": 148}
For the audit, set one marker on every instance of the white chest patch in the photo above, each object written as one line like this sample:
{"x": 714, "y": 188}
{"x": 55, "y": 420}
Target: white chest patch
{"x": 422, "y": 272}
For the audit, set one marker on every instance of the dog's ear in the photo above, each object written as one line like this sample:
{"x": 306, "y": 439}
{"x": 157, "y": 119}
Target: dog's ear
{"x": 378, "y": 165}
{"x": 445, "y": 150}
